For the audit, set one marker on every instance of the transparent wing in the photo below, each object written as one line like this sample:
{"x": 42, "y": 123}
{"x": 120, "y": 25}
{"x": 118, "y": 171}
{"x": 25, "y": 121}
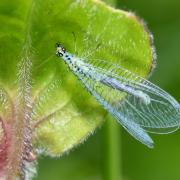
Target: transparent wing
{"x": 163, "y": 111}
{"x": 161, "y": 115}
{"x": 100, "y": 92}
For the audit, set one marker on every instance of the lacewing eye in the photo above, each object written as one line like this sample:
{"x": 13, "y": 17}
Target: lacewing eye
{"x": 63, "y": 49}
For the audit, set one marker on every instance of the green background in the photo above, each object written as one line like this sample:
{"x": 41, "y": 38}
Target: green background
{"x": 87, "y": 161}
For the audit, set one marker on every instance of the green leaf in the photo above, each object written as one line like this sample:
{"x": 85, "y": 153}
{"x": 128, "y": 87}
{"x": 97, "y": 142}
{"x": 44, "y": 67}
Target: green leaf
{"x": 124, "y": 40}
{"x": 51, "y": 102}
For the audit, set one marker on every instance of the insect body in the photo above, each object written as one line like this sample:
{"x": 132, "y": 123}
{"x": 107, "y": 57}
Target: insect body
{"x": 137, "y": 104}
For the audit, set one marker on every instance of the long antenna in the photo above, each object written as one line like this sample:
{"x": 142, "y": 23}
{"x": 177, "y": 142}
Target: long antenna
{"x": 75, "y": 41}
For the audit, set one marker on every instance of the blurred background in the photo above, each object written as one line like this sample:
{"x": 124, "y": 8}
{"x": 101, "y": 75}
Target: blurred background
{"x": 115, "y": 155}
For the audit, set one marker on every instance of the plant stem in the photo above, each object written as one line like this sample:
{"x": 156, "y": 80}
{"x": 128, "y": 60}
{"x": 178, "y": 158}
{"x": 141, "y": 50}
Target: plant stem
{"x": 111, "y": 151}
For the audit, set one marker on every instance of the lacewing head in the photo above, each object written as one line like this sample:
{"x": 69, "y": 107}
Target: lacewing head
{"x": 60, "y": 50}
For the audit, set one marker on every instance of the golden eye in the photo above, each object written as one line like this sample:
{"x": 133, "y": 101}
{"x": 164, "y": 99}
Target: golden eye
{"x": 63, "y": 49}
